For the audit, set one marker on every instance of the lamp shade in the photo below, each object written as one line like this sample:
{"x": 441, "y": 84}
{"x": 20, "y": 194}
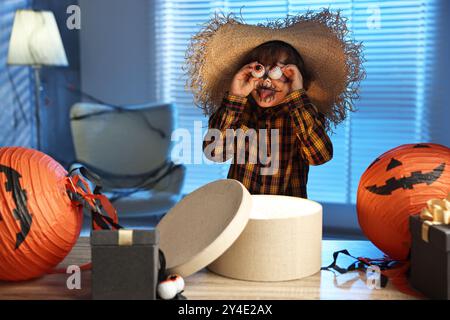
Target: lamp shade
{"x": 35, "y": 40}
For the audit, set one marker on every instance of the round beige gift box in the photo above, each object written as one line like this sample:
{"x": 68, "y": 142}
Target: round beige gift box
{"x": 235, "y": 234}
{"x": 282, "y": 241}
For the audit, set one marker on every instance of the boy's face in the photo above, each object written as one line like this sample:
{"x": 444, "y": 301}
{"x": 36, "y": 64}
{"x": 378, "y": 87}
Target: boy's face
{"x": 270, "y": 92}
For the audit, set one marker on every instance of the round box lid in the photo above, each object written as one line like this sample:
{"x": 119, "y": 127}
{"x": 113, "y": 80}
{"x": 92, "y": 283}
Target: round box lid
{"x": 203, "y": 225}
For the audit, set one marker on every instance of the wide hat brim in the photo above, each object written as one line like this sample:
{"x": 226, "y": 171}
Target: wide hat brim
{"x": 333, "y": 59}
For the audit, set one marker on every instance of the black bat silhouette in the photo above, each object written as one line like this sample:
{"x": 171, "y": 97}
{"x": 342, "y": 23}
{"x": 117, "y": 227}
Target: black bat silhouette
{"x": 409, "y": 182}
{"x": 19, "y": 195}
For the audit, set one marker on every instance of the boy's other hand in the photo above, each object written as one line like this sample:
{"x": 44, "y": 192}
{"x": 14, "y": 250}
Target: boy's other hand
{"x": 294, "y": 76}
{"x": 243, "y": 83}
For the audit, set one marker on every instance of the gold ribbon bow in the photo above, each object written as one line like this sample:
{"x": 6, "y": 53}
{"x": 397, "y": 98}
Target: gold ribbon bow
{"x": 437, "y": 212}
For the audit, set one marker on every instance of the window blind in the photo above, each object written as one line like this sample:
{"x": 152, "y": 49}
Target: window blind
{"x": 398, "y": 37}
{"x": 16, "y": 97}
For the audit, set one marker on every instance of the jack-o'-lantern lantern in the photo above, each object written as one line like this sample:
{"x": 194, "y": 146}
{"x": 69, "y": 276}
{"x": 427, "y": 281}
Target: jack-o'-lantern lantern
{"x": 40, "y": 212}
{"x": 396, "y": 185}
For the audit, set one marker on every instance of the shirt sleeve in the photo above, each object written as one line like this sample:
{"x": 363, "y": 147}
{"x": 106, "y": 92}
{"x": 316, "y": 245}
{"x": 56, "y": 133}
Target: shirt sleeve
{"x": 216, "y": 146}
{"x": 315, "y": 145}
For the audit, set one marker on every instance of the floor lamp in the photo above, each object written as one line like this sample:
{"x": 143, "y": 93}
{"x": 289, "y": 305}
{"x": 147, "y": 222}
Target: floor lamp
{"x": 35, "y": 41}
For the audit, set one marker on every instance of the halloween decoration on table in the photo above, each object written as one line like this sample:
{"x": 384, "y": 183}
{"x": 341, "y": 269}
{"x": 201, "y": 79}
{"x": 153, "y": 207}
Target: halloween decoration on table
{"x": 393, "y": 190}
{"x": 41, "y": 212}
{"x": 334, "y": 59}
{"x": 396, "y": 185}
{"x": 167, "y": 290}
{"x": 237, "y": 235}
{"x": 178, "y": 281}
{"x": 171, "y": 287}
{"x": 430, "y": 249}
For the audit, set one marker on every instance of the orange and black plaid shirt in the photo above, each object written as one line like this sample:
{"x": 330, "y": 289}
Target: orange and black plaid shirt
{"x": 303, "y": 141}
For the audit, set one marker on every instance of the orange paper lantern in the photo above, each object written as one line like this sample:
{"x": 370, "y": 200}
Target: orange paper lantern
{"x": 39, "y": 223}
{"x": 396, "y": 185}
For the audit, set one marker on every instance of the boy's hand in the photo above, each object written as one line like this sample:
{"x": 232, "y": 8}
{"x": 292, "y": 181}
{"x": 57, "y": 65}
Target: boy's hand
{"x": 243, "y": 83}
{"x": 294, "y": 76}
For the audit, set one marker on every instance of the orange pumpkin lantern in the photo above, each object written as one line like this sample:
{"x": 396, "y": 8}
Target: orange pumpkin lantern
{"x": 39, "y": 221}
{"x": 396, "y": 185}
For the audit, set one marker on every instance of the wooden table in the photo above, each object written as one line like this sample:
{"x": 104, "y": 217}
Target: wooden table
{"x": 206, "y": 285}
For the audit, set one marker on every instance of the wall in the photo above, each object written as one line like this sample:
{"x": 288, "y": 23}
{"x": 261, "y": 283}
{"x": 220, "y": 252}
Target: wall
{"x": 16, "y": 112}
{"x": 117, "y": 50}
{"x": 342, "y": 219}
{"x": 440, "y": 95}
{"x": 56, "y": 99}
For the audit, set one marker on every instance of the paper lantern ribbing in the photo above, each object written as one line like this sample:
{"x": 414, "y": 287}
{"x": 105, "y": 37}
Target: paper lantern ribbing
{"x": 39, "y": 224}
{"x": 396, "y": 185}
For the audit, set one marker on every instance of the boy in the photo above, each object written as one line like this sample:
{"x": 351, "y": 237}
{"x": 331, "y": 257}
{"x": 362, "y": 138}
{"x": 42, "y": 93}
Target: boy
{"x": 265, "y": 103}
{"x": 267, "y": 111}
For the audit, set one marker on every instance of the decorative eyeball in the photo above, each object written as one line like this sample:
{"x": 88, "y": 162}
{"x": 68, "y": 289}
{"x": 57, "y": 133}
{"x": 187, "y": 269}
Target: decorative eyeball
{"x": 178, "y": 280}
{"x": 258, "y": 71}
{"x": 275, "y": 73}
{"x": 167, "y": 289}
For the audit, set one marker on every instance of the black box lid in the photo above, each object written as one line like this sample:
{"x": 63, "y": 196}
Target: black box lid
{"x": 111, "y": 237}
{"x": 439, "y": 235}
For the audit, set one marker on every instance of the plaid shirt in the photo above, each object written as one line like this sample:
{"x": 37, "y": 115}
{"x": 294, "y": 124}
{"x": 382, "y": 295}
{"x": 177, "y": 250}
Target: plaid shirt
{"x": 303, "y": 141}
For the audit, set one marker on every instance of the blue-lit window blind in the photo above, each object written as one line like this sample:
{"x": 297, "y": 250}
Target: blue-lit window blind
{"x": 15, "y": 86}
{"x": 399, "y": 43}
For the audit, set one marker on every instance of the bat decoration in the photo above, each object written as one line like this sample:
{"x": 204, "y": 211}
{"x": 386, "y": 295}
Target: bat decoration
{"x": 19, "y": 195}
{"x": 408, "y": 182}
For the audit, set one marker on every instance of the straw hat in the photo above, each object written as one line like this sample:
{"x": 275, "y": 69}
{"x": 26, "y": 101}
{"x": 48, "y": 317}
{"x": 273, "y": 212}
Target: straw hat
{"x": 333, "y": 60}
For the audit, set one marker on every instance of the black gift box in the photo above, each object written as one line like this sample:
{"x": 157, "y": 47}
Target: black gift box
{"x": 430, "y": 261}
{"x": 124, "y": 264}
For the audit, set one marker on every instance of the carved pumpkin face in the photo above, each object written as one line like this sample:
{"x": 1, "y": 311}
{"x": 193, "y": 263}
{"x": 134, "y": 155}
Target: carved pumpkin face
{"x": 396, "y": 185}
